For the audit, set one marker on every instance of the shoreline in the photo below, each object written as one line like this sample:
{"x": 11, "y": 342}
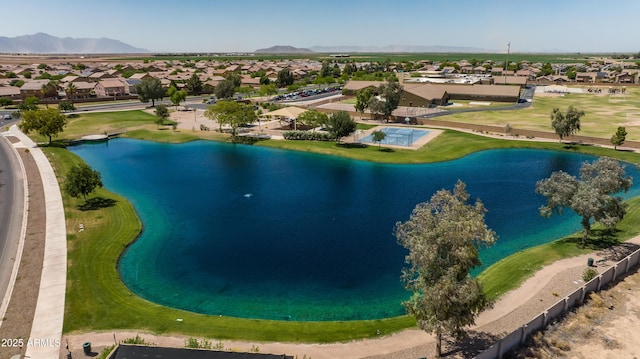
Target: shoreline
{"x": 349, "y": 342}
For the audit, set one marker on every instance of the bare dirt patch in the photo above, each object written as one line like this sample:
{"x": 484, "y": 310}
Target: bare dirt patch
{"x": 606, "y": 327}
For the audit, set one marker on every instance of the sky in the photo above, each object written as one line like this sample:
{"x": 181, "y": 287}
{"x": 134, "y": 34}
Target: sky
{"x": 247, "y": 25}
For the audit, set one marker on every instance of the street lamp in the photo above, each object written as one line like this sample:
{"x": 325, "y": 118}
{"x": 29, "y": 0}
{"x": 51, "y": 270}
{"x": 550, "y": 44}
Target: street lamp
{"x": 507, "y": 63}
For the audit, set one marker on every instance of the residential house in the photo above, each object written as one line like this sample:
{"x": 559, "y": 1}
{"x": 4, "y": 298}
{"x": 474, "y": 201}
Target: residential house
{"x": 130, "y": 85}
{"x": 627, "y": 78}
{"x": 232, "y": 68}
{"x": 140, "y": 76}
{"x": 34, "y": 88}
{"x": 586, "y": 77}
{"x": 69, "y": 78}
{"x": 109, "y": 87}
{"x": 466, "y": 69}
{"x": 10, "y": 92}
{"x": 97, "y": 76}
{"x": 84, "y": 89}
{"x": 479, "y": 70}
{"x": 247, "y": 80}
{"x": 555, "y": 79}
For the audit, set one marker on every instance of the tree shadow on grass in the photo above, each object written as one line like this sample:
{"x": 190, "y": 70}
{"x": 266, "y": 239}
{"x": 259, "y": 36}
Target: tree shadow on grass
{"x": 470, "y": 346}
{"x": 95, "y": 203}
{"x": 386, "y": 149}
{"x": 59, "y": 143}
{"x": 351, "y": 145}
{"x": 598, "y": 238}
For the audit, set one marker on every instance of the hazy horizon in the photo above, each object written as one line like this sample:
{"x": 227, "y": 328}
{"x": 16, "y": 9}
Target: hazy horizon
{"x": 569, "y": 26}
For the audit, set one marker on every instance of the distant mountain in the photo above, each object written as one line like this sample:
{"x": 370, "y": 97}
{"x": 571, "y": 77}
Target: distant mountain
{"x": 400, "y": 48}
{"x": 278, "y": 49}
{"x": 42, "y": 43}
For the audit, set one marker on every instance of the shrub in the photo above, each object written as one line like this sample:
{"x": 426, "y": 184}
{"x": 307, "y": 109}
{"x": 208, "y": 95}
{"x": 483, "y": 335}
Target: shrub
{"x": 138, "y": 340}
{"x": 589, "y": 274}
{"x": 105, "y": 352}
{"x": 197, "y": 344}
{"x": 307, "y": 136}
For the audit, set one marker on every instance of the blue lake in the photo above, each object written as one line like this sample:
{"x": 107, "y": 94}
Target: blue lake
{"x": 314, "y": 240}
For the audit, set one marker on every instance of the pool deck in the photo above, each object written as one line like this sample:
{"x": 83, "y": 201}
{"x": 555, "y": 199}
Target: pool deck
{"x": 433, "y": 133}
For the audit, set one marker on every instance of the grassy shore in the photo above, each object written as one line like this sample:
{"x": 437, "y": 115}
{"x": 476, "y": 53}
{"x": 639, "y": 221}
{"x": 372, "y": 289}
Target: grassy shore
{"x": 98, "y": 300}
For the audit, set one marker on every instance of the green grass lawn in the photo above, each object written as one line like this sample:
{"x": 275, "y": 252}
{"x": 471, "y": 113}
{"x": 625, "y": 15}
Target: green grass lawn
{"x": 603, "y": 114}
{"x": 98, "y": 300}
{"x": 510, "y": 272}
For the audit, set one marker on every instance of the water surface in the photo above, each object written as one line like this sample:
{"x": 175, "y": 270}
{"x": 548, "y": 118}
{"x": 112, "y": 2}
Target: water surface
{"x": 255, "y": 232}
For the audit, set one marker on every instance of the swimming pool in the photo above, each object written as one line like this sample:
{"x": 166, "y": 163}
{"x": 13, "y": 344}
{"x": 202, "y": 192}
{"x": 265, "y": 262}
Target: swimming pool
{"x": 397, "y": 136}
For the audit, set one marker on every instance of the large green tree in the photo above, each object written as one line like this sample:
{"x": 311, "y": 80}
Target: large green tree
{"x": 235, "y": 78}
{"x": 313, "y": 118}
{"x": 65, "y": 106}
{"x": 231, "y": 113}
{"x": 150, "y": 89}
{"x": 194, "y": 85}
{"x": 225, "y": 89}
{"x": 81, "y": 180}
{"x": 390, "y": 93}
{"x": 363, "y": 96}
{"x": 29, "y": 103}
{"x": 340, "y": 124}
{"x": 383, "y": 105}
{"x": 443, "y": 237}
{"x": 566, "y": 123}
{"x": 47, "y": 122}
{"x": 5, "y": 101}
{"x": 285, "y": 78}
{"x": 268, "y": 90}
{"x": 591, "y": 196}
{"x": 176, "y": 96}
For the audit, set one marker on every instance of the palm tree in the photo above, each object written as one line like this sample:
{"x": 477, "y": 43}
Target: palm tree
{"x": 46, "y": 90}
{"x": 71, "y": 91}
{"x": 45, "y": 94}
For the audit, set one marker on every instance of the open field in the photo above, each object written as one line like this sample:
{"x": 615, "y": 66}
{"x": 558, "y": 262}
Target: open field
{"x": 376, "y": 57}
{"x": 98, "y": 300}
{"x": 603, "y": 114}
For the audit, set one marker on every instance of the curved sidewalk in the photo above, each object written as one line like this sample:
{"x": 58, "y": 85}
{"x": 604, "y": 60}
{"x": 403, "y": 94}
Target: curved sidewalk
{"x": 46, "y": 327}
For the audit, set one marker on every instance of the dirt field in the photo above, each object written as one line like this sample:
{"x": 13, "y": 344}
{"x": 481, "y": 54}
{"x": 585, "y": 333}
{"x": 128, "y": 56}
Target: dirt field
{"x": 608, "y": 326}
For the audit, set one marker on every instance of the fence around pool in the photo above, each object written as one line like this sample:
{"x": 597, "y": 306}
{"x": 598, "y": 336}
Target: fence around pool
{"x": 397, "y": 136}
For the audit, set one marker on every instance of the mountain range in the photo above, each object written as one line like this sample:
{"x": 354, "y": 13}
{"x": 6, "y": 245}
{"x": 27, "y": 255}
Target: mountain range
{"x": 280, "y": 49}
{"x": 42, "y": 43}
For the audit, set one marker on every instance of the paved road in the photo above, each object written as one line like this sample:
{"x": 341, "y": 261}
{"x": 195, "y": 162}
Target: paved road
{"x": 11, "y": 211}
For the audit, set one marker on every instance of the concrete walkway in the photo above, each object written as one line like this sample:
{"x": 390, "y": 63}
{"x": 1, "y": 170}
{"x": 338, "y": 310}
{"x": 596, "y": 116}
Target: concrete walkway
{"x": 49, "y": 313}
